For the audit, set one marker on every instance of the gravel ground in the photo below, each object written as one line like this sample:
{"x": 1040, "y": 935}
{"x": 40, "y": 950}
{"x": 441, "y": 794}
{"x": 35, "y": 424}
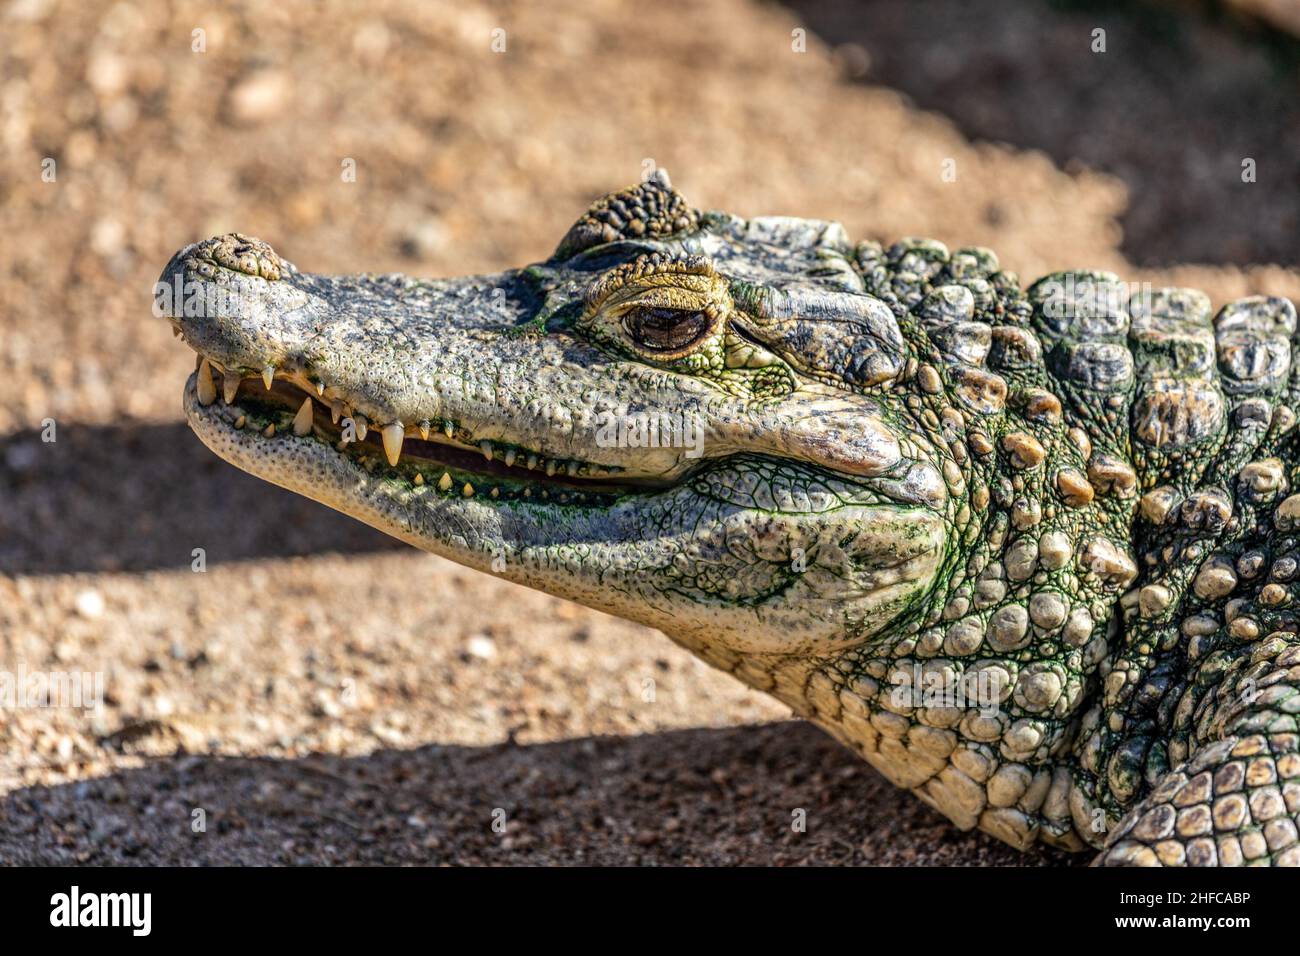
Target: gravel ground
{"x": 318, "y": 693}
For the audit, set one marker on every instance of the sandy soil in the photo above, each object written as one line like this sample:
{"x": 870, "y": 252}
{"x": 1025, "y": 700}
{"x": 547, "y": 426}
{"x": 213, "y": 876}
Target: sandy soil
{"x": 322, "y": 694}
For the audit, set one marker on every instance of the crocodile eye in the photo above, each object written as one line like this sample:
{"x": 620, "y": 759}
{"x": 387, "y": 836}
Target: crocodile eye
{"x": 667, "y": 332}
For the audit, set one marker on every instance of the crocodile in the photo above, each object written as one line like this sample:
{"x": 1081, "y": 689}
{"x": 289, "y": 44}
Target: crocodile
{"x": 1032, "y": 552}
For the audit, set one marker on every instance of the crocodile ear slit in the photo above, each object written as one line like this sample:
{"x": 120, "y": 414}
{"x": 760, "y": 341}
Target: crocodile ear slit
{"x": 649, "y": 210}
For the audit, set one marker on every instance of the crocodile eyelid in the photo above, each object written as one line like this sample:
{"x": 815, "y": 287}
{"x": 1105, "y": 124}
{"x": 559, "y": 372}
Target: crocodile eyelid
{"x": 645, "y": 266}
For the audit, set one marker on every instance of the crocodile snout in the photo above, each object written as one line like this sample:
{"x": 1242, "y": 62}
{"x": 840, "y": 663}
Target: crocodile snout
{"x": 228, "y": 296}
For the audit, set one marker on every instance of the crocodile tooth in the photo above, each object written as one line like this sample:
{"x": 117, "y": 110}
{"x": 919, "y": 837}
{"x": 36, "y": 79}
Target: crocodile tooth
{"x": 207, "y": 391}
{"x": 532, "y": 462}
{"x": 393, "y": 436}
{"x": 485, "y": 446}
{"x": 424, "y": 430}
{"x": 229, "y": 386}
{"x": 468, "y": 490}
{"x": 268, "y": 376}
{"x": 239, "y": 422}
{"x": 320, "y": 387}
{"x": 550, "y": 468}
{"x": 572, "y": 469}
{"x": 362, "y": 427}
{"x": 495, "y": 491}
{"x": 302, "y": 421}
{"x": 419, "y": 478}
{"x": 336, "y": 410}
{"x": 449, "y": 429}
{"x": 510, "y": 456}
{"x": 444, "y": 483}
{"x": 269, "y": 430}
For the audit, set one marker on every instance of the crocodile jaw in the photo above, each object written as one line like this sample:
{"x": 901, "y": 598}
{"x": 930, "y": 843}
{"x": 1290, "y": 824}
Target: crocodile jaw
{"x": 668, "y": 558}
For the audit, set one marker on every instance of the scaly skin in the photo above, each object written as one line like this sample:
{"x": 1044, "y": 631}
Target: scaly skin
{"x": 1030, "y": 553}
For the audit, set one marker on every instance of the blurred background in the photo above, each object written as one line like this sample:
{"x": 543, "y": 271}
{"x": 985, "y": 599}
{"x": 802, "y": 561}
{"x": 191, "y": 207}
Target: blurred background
{"x": 323, "y": 694}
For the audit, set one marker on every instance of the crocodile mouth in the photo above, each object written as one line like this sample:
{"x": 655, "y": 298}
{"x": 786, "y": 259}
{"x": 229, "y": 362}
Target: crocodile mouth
{"x": 283, "y": 406}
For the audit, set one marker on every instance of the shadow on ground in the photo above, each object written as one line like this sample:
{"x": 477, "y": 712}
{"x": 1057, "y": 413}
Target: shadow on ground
{"x": 91, "y": 501}
{"x": 717, "y": 796}
{"x": 1172, "y": 107}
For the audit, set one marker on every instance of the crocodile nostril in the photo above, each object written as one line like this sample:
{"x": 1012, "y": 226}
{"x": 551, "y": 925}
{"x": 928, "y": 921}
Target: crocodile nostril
{"x": 239, "y": 253}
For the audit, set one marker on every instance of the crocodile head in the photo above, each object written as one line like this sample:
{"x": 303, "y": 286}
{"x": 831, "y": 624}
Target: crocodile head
{"x": 836, "y": 471}
{"x": 885, "y": 485}
{"x": 690, "y": 420}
